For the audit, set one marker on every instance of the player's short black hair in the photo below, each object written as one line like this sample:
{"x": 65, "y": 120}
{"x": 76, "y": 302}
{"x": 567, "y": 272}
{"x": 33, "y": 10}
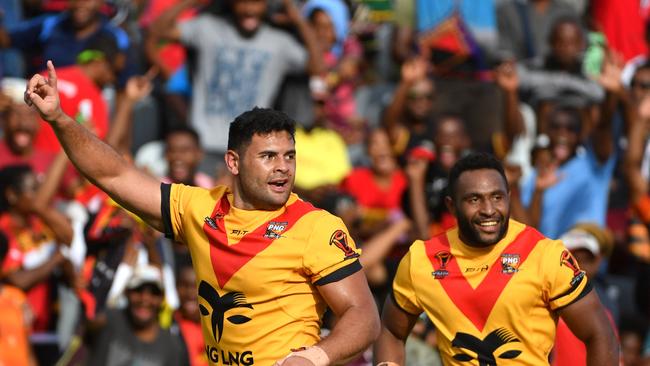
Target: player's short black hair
{"x": 11, "y": 177}
{"x": 187, "y": 130}
{"x": 474, "y": 161}
{"x": 258, "y": 121}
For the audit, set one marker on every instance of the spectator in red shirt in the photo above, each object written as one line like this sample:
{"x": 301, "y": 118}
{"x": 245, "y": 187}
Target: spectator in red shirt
{"x": 378, "y": 188}
{"x": 80, "y": 90}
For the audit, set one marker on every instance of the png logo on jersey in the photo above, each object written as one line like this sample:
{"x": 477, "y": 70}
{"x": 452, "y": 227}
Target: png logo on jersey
{"x": 510, "y": 263}
{"x": 275, "y": 229}
{"x": 340, "y": 239}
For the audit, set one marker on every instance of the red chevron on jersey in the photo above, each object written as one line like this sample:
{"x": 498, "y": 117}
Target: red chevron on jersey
{"x": 477, "y": 304}
{"x": 228, "y": 259}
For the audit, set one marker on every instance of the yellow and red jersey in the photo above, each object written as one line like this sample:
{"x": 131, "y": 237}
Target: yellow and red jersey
{"x": 498, "y": 304}
{"x": 257, "y": 271}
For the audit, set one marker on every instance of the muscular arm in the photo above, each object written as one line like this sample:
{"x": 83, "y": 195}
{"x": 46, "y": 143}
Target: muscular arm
{"x": 396, "y": 325}
{"x": 587, "y": 320}
{"x": 97, "y": 161}
{"x": 358, "y": 323}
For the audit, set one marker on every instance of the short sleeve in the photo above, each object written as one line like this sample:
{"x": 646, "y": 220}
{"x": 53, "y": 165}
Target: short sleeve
{"x": 294, "y": 54}
{"x": 192, "y": 30}
{"x": 566, "y": 282}
{"x": 174, "y": 204}
{"x": 330, "y": 254}
{"x": 403, "y": 292}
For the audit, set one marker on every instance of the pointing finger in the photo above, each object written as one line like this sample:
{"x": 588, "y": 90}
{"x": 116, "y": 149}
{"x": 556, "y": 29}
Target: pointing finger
{"x": 51, "y": 72}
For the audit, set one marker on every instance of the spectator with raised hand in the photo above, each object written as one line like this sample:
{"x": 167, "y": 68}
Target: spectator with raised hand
{"x": 39, "y": 235}
{"x": 560, "y": 74}
{"x": 428, "y": 166}
{"x": 409, "y": 117}
{"x": 341, "y": 53}
{"x": 241, "y": 68}
{"x": 583, "y": 198}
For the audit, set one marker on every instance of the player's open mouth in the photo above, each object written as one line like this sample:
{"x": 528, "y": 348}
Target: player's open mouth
{"x": 279, "y": 185}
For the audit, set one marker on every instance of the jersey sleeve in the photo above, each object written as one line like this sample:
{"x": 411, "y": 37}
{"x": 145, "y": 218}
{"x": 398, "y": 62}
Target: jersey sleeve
{"x": 175, "y": 208}
{"x": 330, "y": 254}
{"x": 403, "y": 292}
{"x": 566, "y": 282}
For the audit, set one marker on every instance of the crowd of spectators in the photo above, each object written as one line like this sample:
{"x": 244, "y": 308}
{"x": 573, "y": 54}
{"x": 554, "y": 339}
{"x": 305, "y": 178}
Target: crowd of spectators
{"x": 387, "y": 94}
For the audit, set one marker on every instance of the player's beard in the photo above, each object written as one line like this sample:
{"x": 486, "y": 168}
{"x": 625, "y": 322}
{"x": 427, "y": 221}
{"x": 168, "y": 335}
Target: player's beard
{"x": 472, "y": 236}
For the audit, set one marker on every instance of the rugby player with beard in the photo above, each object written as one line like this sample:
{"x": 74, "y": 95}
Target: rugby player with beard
{"x": 493, "y": 287}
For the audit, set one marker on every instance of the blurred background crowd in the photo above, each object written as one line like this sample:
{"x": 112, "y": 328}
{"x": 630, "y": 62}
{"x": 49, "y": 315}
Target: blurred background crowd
{"x": 388, "y": 94}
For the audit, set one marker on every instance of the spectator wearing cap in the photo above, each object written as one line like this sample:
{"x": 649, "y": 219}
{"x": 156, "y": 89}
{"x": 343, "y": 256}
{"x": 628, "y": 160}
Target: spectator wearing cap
{"x": 589, "y": 244}
{"x": 133, "y": 335}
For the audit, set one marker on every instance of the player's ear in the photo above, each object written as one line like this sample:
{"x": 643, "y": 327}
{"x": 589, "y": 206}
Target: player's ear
{"x": 449, "y": 202}
{"x": 232, "y": 161}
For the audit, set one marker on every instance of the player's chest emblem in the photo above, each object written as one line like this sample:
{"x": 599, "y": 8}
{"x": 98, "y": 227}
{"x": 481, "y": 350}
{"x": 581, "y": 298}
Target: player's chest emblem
{"x": 477, "y": 301}
{"x": 228, "y": 259}
{"x": 510, "y": 263}
{"x": 275, "y": 228}
{"x": 442, "y": 258}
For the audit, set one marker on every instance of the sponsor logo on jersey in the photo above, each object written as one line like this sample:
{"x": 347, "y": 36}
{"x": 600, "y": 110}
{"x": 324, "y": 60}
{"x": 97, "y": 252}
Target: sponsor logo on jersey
{"x": 483, "y": 350}
{"x": 568, "y": 260}
{"x": 477, "y": 269}
{"x": 274, "y": 229}
{"x": 220, "y": 306}
{"x": 238, "y": 232}
{"x": 510, "y": 263}
{"x": 340, "y": 239}
{"x": 442, "y": 258}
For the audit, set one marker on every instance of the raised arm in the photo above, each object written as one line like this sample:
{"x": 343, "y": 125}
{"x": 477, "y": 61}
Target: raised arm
{"x": 610, "y": 79}
{"x": 412, "y": 71}
{"x": 315, "y": 63}
{"x": 508, "y": 81}
{"x": 587, "y": 321}
{"x": 97, "y": 161}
